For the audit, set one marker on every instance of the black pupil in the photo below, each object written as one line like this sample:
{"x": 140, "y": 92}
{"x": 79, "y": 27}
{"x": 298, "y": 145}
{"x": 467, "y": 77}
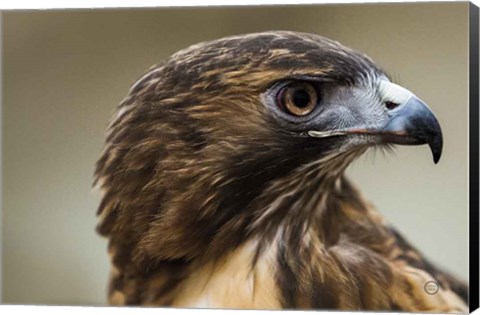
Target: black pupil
{"x": 301, "y": 98}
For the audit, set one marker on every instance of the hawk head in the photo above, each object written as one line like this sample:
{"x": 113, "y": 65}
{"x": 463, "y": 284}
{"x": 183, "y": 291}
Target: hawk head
{"x": 237, "y": 137}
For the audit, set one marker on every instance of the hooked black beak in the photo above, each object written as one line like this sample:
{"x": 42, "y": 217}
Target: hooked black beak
{"x": 411, "y": 123}
{"x": 414, "y": 124}
{"x": 407, "y": 120}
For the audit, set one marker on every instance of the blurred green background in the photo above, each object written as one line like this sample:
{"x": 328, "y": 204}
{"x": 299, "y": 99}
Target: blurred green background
{"x": 65, "y": 71}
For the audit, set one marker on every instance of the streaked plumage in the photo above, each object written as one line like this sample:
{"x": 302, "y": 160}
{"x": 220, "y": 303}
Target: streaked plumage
{"x": 214, "y": 196}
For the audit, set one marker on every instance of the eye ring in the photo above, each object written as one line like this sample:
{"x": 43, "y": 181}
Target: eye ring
{"x": 298, "y": 98}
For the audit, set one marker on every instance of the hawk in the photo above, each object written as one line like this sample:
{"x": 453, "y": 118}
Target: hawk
{"x": 223, "y": 182}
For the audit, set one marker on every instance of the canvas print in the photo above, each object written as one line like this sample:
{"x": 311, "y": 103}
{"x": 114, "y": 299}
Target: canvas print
{"x": 276, "y": 157}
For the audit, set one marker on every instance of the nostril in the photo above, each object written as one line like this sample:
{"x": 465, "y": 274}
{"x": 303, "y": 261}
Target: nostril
{"x": 391, "y": 105}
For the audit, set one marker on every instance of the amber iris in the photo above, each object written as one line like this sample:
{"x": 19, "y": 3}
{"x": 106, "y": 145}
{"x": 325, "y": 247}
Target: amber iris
{"x": 298, "y": 98}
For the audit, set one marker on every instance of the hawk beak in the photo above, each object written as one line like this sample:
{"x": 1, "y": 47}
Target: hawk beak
{"x": 414, "y": 124}
{"x": 411, "y": 123}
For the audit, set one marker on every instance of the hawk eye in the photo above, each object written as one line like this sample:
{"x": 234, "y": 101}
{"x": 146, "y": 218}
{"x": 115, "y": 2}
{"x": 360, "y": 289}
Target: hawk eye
{"x": 298, "y": 98}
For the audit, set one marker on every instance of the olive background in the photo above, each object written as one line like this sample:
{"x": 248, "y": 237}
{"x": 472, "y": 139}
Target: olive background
{"x": 64, "y": 71}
